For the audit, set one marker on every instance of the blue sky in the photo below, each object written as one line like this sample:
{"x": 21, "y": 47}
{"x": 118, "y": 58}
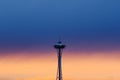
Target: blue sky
{"x": 80, "y": 23}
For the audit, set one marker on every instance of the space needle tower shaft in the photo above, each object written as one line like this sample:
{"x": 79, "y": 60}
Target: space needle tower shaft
{"x": 59, "y": 46}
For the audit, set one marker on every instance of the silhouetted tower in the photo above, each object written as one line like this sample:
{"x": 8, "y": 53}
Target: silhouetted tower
{"x": 59, "y": 46}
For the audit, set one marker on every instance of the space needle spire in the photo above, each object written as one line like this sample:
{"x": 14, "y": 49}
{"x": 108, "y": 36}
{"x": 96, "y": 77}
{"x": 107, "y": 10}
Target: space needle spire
{"x": 59, "y": 46}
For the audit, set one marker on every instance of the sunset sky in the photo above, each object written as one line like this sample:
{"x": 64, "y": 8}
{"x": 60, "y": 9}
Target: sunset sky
{"x": 89, "y": 28}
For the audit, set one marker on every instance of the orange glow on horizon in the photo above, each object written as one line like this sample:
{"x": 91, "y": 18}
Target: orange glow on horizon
{"x": 100, "y": 66}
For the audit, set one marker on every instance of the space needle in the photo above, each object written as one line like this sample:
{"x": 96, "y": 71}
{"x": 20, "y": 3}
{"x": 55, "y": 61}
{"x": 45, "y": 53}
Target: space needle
{"x": 59, "y": 46}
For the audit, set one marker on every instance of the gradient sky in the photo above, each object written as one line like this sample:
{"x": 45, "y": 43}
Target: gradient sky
{"x": 32, "y": 27}
{"x": 88, "y": 23}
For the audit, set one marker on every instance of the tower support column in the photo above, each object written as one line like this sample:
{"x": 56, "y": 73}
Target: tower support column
{"x": 59, "y": 46}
